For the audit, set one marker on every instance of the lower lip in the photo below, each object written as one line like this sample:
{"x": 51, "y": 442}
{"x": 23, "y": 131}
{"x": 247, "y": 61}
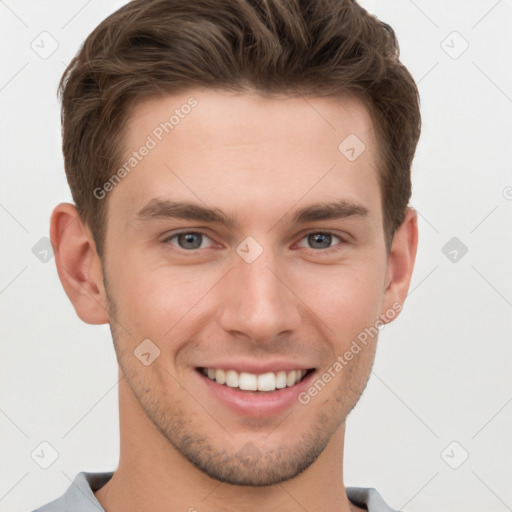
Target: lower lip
{"x": 256, "y": 405}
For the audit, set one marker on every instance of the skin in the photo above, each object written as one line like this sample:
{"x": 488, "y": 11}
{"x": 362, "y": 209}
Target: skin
{"x": 258, "y": 159}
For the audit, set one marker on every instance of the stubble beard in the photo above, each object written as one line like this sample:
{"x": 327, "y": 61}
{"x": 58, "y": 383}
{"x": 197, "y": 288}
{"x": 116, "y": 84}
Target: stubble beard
{"x": 250, "y": 465}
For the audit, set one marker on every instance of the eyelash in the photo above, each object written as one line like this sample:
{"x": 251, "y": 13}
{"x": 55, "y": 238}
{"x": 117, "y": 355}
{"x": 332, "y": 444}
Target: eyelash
{"x": 326, "y": 250}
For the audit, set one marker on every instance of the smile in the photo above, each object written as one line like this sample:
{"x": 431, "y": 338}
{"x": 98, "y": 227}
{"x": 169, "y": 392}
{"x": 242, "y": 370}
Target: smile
{"x": 245, "y": 381}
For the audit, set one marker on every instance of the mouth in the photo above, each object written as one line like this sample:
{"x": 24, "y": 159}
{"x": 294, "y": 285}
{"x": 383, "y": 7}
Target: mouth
{"x": 255, "y": 391}
{"x": 262, "y": 383}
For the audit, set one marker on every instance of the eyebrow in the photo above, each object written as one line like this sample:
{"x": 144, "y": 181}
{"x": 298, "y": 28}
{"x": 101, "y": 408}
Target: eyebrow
{"x": 163, "y": 209}
{"x": 328, "y": 211}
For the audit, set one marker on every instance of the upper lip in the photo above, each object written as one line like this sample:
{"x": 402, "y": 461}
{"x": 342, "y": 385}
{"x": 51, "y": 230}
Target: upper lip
{"x": 257, "y": 368}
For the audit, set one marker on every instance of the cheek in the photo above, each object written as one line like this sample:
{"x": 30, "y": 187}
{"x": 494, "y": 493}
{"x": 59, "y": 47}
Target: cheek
{"x": 346, "y": 299}
{"x": 153, "y": 299}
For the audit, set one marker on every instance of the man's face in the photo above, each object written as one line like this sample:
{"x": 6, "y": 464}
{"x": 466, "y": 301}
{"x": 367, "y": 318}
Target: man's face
{"x": 257, "y": 288}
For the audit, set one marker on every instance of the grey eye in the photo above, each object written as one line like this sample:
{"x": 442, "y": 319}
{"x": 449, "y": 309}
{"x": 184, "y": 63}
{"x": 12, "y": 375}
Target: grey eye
{"x": 189, "y": 240}
{"x": 320, "y": 240}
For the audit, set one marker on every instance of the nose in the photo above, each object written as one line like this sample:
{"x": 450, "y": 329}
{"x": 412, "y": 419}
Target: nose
{"x": 259, "y": 301}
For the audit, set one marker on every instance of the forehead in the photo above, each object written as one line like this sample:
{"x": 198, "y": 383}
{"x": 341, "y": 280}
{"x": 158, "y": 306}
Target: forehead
{"x": 218, "y": 116}
{"x": 241, "y": 148}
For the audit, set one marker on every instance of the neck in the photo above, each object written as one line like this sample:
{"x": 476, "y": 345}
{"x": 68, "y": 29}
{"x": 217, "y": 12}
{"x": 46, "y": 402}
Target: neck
{"x": 153, "y": 475}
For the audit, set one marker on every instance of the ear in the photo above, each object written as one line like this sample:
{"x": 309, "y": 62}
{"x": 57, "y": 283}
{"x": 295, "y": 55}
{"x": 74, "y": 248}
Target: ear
{"x": 78, "y": 264}
{"x": 400, "y": 266}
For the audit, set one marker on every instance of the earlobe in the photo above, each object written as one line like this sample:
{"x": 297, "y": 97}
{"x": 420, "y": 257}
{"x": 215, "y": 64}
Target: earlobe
{"x": 78, "y": 264}
{"x": 401, "y": 264}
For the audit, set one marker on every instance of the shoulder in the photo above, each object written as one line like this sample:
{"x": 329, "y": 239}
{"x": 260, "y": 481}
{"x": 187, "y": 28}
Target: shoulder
{"x": 79, "y": 497}
{"x": 369, "y": 498}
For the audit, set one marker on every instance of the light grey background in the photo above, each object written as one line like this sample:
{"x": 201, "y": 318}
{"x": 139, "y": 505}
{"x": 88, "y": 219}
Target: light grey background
{"x": 442, "y": 372}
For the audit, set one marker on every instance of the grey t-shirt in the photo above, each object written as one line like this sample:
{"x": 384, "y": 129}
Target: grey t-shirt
{"x": 80, "y": 498}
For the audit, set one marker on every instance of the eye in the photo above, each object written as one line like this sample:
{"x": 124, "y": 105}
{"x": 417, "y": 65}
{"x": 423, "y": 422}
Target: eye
{"x": 189, "y": 240}
{"x": 320, "y": 240}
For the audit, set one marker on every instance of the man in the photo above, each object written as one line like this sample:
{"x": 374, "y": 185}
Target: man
{"x": 241, "y": 175}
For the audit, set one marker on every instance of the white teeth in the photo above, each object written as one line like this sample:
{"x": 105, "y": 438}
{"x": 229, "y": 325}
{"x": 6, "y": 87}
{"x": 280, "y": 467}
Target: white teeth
{"x": 232, "y": 379}
{"x": 269, "y": 381}
{"x": 281, "y": 379}
{"x": 220, "y": 376}
{"x": 248, "y": 381}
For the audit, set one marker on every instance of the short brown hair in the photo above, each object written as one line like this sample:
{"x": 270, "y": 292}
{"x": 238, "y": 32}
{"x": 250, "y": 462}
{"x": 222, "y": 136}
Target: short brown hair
{"x": 298, "y": 47}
